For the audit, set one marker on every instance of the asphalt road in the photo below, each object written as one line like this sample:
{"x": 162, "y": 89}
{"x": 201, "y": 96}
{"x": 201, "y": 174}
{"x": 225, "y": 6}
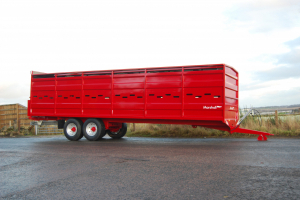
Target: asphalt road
{"x": 145, "y": 168}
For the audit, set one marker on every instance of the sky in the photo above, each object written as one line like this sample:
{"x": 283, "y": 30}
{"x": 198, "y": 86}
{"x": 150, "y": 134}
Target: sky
{"x": 259, "y": 38}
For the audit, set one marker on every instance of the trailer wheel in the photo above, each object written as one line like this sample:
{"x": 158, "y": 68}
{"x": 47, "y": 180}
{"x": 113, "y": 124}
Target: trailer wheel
{"x": 72, "y": 129}
{"x": 121, "y": 132}
{"x": 93, "y": 129}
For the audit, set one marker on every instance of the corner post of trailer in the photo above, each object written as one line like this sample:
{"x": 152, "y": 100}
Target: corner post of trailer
{"x": 224, "y": 96}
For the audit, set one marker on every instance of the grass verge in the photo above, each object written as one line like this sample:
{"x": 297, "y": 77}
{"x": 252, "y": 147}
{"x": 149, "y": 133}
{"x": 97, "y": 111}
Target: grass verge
{"x": 288, "y": 126}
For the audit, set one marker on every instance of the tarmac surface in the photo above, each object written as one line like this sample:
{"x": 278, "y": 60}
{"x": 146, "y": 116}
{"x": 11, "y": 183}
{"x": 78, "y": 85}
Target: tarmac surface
{"x": 147, "y": 168}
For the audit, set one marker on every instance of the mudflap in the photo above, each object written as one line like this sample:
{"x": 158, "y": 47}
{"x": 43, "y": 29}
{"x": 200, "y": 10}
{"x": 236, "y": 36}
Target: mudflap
{"x": 112, "y": 126}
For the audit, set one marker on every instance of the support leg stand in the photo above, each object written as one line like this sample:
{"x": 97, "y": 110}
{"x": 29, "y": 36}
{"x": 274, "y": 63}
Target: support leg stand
{"x": 262, "y": 137}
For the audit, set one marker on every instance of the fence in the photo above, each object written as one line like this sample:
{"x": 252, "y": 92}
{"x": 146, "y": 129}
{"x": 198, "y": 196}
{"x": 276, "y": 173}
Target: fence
{"x": 46, "y": 127}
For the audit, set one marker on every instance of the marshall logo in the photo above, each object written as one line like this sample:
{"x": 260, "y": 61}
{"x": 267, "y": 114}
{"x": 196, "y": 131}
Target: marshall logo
{"x": 211, "y": 107}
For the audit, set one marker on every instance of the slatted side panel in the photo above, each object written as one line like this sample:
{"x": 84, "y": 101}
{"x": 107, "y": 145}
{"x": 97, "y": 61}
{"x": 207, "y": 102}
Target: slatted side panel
{"x": 128, "y": 94}
{"x": 97, "y": 97}
{"x": 164, "y": 94}
{"x": 195, "y": 92}
{"x": 231, "y": 97}
{"x": 97, "y": 102}
{"x": 203, "y": 93}
{"x": 42, "y": 96}
{"x": 68, "y": 95}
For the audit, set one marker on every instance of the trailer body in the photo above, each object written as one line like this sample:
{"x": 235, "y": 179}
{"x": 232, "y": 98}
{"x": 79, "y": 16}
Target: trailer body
{"x": 199, "y": 95}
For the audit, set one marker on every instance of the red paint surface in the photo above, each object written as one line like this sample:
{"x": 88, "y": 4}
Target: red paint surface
{"x": 205, "y": 95}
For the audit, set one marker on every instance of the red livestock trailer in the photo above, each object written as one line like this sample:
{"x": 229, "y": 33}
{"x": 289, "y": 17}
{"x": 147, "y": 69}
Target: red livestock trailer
{"x": 95, "y": 103}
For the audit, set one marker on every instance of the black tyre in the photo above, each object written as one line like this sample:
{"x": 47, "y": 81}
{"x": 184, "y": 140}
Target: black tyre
{"x": 121, "y": 132}
{"x": 73, "y": 129}
{"x": 93, "y": 129}
{"x": 81, "y": 133}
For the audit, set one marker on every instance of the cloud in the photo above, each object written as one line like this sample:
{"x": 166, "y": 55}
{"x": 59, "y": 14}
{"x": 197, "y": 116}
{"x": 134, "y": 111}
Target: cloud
{"x": 265, "y": 16}
{"x": 272, "y": 98}
{"x": 292, "y": 57}
{"x": 287, "y": 64}
{"x": 294, "y": 43}
{"x": 14, "y": 93}
{"x": 279, "y": 73}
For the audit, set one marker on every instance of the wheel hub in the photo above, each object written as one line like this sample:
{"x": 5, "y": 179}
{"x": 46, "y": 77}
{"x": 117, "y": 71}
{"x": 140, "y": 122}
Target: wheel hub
{"x": 71, "y": 129}
{"x": 91, "y": 129}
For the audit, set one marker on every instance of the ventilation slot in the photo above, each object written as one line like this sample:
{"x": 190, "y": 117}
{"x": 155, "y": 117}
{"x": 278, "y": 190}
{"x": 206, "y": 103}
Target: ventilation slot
{"x": 160, "y": 97}
{"x": 45, "y": 96}
{"x": 129, "y": 72}
{"x": 176, "y": 96}
{"x": 51, "y": 98}
{"x": 100, "y": 95}
{"x": 71, "y": 95}
{"x": 198, "y": 97}
{"x": 34, "y": 96}
{"x": 132, "y": 95}
{"x": 67, "y": 75}
{"x": 106, "y": 97}
{"x": 93, "y": 97}
{"x": 216, "y": 97}
{"x": 59, "y": 95}
{"x": 164, "y": 70}
{"x": 40, "y": 97}
{"x": 65, "y": 97}
{"x": 151, "y": 94}
{"x": 203, "y": 68}
{"x": 168, "y": 94}
{"x": 98, "y": 74}
{"x": 44, "y": 76}
{"x": 189, "y": 94}
{"x": 207, "y": 94}
{"x": 117, "y": 95}
{"x": 139, "y": 97}
{"x": 77, "y": 97}
{"x": 87, "y": 95}
{"x": 124, "y": 97}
